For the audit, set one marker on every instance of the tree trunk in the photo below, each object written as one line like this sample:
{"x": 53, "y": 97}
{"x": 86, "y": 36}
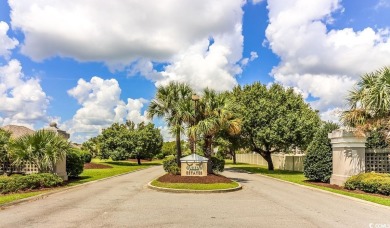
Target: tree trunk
{"x": 207, "y": 146}
{"x": 233, "y": 153}
{"x": 138, "y": 160}
{"x": 267, "y": 157}
{"x": 178, "y": 149}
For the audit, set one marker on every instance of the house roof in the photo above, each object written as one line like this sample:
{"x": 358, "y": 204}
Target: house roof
{"x": 194, "y": 157}
{"x": 18, "y": 131}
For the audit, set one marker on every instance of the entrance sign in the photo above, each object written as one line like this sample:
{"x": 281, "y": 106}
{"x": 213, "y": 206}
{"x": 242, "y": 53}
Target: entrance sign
{"x": 194, "y": 165}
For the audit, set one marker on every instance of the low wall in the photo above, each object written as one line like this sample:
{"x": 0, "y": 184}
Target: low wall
{"x": 280, "y": 161}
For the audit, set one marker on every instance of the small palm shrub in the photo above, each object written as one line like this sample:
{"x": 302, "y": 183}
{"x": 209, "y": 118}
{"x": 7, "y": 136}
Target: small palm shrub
{"x": 370, "y": 182}
{"x": 17, "y": 183}
{"x": 217, "y": 164}
{"x": 74, "y": 163}
{"x": 317, "y": 165}
{"x": 170, "y": 165}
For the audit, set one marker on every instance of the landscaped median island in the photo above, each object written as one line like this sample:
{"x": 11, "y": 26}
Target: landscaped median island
{"x": 299, "y": 178}
{"x": 97, "y": 169}
{"x": 211, "y": 182}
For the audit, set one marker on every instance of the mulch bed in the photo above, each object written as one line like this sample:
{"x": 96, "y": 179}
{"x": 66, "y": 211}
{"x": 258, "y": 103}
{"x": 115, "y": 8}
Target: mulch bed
{"x": 344, "y": 189}
{"x": 96, "y": 166}
{"x": 209, "y": 179}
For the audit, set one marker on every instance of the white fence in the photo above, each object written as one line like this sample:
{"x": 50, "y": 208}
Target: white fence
{"x": 280, "y": 161}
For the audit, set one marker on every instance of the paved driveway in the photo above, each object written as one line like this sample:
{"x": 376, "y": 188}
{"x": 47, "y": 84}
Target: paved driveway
{"x": 125, "y": 202}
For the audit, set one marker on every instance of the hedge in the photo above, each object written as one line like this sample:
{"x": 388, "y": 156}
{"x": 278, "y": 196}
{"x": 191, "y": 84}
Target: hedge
{"x": 370, "y": 182}
{"x": 17, "y": 183}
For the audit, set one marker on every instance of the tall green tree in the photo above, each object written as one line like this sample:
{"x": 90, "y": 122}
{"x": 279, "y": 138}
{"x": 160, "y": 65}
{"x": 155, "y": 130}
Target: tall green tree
{"x": 147, "y": 141}
{"x": 317, "y": 165}
{"x": 173, "y": 103}
{"x": 213, "y": 116}
{"x": 274, "y": 119}
{"x": 369, "y": 102}
{"x": 43, "y": 149}
{"x": 5, "y": 159}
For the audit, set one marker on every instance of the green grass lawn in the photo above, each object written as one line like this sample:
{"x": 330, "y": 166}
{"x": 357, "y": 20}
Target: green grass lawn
{"x": 299, "y": 178}
{"x": 193, "y": 186}
{"x": 118, "y": 167}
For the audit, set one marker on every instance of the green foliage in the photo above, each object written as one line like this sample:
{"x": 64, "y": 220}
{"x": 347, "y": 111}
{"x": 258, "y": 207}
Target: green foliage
{"x": 377, "y": 139}
{"x": 168, "y": 148}
{"x": 217, "y": 164}
{"x": 369, "y": 102}
{"x": 317, "y": 165}
{"x": 43, "y": 149}
{"x": 122, "y": 141}
{"x": 170, "y": 165}
{"x": 274, "y": 118}
{"x": 92, "y": 146}
{"x": 87, "y": 156}
{"x": 74, "y": 163}
{"x": 5, "y": 157}
{"x": 370, "y": 182}
{"x": 17, "y": 183}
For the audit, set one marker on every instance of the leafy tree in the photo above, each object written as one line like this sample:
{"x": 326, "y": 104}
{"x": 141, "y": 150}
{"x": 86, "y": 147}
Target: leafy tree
{"x": 147, "y": 141}
{"x": 376, "y": 139}
{"x": 173, "y": 102}
{"x": 122, "y": 141}
{"x": 43, "y": 149}
{"x": 92, "y": 145}
{"x": 4, "y": 148}
{"x": 369, "y": 102}
{"x": 317, "y": 165}
{"x": 116, "y": 141}
{"x": 274, "y": 119}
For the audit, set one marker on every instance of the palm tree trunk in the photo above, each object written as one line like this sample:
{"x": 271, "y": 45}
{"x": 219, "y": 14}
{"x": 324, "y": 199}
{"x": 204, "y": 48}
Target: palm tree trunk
{"x": 178, "y": 148}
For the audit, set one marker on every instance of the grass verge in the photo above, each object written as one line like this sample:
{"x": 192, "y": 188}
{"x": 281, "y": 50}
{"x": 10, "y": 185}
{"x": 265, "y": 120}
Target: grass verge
{"x": 193, "y": 186}
{"x": 299, "y": 178}
{"x": 118, "y": 167}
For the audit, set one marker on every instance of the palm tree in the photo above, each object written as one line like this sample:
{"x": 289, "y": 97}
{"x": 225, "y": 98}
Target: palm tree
{"x": 43, "y": 149}
{"x": 214, "y": 115}
{"x": 369, "y": 102}
{"x": 173, "y": 103}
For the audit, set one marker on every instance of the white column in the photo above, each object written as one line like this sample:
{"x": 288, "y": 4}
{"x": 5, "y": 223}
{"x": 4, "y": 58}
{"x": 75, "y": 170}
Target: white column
{"x": 348, "y": 155}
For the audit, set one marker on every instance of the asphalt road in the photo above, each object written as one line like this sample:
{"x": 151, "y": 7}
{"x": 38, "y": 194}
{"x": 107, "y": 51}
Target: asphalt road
{"x": 125, "y": 201}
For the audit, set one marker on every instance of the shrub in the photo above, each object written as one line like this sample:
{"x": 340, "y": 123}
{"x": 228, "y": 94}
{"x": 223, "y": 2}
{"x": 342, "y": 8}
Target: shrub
{"x": 318, "y": 163}
{"x": 74, "y": 163}
{"x": 370, "y": 182}
{"x": 170, "y": 165}
{"x": 17, "y": 183}
{"x": 87, "y": 157}
{"x": 217, "y": 164}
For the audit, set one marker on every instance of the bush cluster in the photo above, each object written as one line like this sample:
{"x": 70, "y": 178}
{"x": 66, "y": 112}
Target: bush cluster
{"x": 17, "y": 183}
{"x": 170, "y": 165}
{"x": 217, "y": 164}
{"x": 87, "y": 157}
{"x": 370, "y": 182}
{"x": 74, "y": 163}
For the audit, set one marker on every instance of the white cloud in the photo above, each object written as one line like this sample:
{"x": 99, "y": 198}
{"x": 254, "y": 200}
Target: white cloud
{"x": 120, "y": 33}
{"x": 22, "y": 100}
{"x": 256, "y": 1}
{"x": 6, "y": 43}
{"x": 100, "y": 107}
{"x": 320, "y": 62}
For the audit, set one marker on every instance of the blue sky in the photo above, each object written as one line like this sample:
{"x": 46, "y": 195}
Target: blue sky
{"x": 86, "y": 66}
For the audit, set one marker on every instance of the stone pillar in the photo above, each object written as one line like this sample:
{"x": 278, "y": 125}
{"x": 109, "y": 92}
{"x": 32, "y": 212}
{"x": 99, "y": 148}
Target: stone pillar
{"x": 60, "y": 168}
{"x": 348, "y": 155}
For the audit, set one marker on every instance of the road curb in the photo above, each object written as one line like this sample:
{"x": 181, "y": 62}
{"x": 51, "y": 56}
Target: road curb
{"x": 174, "y": 190}
{"x": 318, "y": 189}
{"x": 51, "y": 192}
